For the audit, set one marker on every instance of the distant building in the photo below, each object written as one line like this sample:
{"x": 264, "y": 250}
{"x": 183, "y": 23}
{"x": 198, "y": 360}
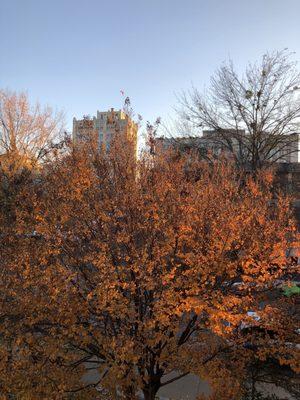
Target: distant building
{"x": 231, "y": 142}
{"x": 273, "y": 148}
{"x": 104, "y": 127}
{"x": 181, "y": 144}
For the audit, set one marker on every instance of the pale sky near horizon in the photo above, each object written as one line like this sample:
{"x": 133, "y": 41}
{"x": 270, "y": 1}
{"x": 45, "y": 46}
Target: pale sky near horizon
{"x": 78, "y": 55}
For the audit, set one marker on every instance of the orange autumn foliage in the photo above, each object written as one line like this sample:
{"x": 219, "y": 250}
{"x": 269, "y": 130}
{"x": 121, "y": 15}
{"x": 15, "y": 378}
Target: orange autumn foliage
{"x": 131, "y": 266}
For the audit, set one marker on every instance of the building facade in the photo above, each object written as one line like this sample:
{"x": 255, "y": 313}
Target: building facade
{"x": 105, "y": 127}
{"x": 282, "y": 149}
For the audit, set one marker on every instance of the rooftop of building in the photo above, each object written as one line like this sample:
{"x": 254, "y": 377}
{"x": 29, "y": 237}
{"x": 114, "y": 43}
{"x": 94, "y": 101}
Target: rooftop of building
{"x": 119, "y": 114}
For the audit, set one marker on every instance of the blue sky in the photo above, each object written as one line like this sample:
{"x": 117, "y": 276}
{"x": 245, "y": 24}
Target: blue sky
{"x": 77, "y": 55}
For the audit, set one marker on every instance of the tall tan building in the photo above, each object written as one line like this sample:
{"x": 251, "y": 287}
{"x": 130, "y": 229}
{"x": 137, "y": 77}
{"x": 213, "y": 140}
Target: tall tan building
{"x": 106, "y": 126}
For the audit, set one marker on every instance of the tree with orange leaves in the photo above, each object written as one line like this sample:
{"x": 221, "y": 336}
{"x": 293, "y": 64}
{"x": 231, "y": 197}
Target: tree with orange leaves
{"x": 28, "y": 135}
{"x": 136, "y": 270}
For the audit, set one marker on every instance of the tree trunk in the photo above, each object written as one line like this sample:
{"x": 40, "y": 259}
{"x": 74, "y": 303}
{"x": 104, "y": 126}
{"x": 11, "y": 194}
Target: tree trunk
{"x": 150, "y": 392}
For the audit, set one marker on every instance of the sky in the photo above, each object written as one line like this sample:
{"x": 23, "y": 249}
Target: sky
{"x": 79, "y": 55}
